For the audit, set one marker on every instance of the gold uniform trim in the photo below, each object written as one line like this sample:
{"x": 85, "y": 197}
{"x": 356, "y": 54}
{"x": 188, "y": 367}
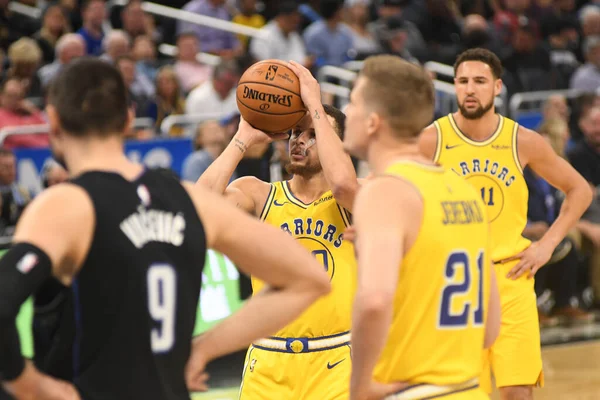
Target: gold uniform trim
{"x": 268, "y": 202}
{"x": 438, "y": 146}
{"x": 290, "y": 196}
{"x": 515, "y": 149}
{"x": 464, "y": 137}
{"x": 426, "y": 391}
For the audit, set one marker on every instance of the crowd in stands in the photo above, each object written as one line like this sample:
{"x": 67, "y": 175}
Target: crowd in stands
{"x": 544, "y": 45}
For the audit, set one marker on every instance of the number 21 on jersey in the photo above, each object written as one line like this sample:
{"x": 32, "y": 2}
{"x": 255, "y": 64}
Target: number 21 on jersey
{"x": 456, "y": 305}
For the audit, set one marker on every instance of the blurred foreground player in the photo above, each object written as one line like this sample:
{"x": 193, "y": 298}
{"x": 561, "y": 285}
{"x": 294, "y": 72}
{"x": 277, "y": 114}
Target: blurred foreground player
{"x": 490, "y": 152}
{"x": 422, "y": 244}
{"x": 309, "y": 358}
{"x": 131, "y": 244}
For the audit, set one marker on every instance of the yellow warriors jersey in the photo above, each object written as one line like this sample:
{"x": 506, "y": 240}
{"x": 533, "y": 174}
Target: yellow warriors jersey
{"x": 440, "y": 305}
{"x": 319, "y": 227}
{"x": 493, "y": 168}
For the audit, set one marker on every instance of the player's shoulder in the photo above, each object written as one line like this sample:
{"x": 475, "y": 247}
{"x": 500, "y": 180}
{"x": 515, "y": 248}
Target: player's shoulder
{"x": 428, "y": 140}
{"x": 392, "y": 189}
{"x": 250, "y": 183}
{"x": 63, "y": 196}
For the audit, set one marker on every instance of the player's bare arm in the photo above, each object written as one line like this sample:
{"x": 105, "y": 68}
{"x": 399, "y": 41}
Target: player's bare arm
{"x": 337, "y": 165}
{"x": 428, "y": 141}
{"x": 247, "y": 193}
{"x": 294, "y": 276}
{"x": 536, "y": 153}
{"x": 50, "y": 253}
{"x": 385, "y": 230}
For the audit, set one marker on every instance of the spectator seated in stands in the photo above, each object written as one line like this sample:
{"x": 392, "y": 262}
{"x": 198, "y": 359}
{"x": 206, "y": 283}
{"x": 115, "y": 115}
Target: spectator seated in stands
{"x": 144, "y": 54}
{"x": 68, "y": 47}
{"x": 562, "y": 42}
{"x": 209, "y": 143}
{"x": 215, "y": 41}
{"x": 141, "y": 91}
{"x": 587, "y": 77}
{"x": 133, "y": 19}
{"x": 560, "y": 275}
{"x": 328, "y": 40}
{"x": 93, "y": 14}
{"x": 393, "y": 39}
{"x": 477, "y": 32}
{"x": 248, "y": 16}
{"x": 16, "y": 111}
{"x": 281, "y": 39}
{"x": 53, "y": 173}
{"x": 54, "y": 26}
{"x": 191, "y": 72}
{"x": 357, "y": 18}
{"x": 168, "y": 100}
{"x": 585, "y": 155}
{"x": 25, "y": 57}
{"x": 115, "y": 44}
{"x": 14, "y": 196}
{"x": 217, "y": 95}
{"x": 415, "y": 43}
{"x": 528, "y": 67}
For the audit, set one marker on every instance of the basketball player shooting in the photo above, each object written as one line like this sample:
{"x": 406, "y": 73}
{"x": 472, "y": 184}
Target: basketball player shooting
{"x": 490, "y": 151}
{"x": 427, "y": 302}
{"x": 309, "y": 358}
{"x": 131, "y": 244}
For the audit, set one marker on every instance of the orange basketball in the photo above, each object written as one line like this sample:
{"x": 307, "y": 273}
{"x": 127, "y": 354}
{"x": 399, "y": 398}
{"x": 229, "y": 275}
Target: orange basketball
{"x": 268, "y": 96}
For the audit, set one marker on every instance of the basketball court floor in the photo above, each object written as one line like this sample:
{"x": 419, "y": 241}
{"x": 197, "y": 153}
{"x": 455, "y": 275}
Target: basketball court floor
{"x": 571, "y": 358}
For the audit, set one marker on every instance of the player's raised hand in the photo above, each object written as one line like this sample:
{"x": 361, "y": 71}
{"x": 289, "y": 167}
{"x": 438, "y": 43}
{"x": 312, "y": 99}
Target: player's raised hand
{"x": 310, "y": 90}
{"x": 377, "y": 391}
{"x": 530, "y": 260}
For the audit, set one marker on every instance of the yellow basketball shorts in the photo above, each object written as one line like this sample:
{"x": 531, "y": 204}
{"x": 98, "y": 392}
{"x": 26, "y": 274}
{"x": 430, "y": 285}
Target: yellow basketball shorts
{"x": 515, "y": 358}
{"x": 468, "y": 390}
{"x": 298, "y": 369}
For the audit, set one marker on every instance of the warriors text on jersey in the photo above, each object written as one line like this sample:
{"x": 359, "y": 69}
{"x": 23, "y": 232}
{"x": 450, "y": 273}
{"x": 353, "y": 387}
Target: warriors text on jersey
{"x": 440, "y": 306}
{"x": 493, "y": 168}
{"x": 319, "y": 227}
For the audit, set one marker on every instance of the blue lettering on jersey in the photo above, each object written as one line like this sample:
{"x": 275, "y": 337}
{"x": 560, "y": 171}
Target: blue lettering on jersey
{"x": 487, "y": 167}
{"x": 319, "y": 230}
{"x": 461, "y": 212}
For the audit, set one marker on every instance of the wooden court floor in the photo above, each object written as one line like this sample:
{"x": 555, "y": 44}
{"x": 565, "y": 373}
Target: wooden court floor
{"x": 572, "y": 372}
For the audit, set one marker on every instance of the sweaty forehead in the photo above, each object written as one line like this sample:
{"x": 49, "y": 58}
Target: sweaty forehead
{"x": 473, "y": 69}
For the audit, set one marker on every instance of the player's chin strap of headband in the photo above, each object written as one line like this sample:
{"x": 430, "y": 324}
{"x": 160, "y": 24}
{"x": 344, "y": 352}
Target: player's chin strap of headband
{"x": 22, "y": 270}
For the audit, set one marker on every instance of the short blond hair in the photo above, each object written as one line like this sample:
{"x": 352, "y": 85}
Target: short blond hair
{"x": 401, "y": 91}
{"x": 555, "y": 128}
{"x": 25, "y": 50}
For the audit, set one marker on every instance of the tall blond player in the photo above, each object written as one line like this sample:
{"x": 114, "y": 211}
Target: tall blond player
{"x": 490, "y": 151}
{"x": 426, "y": 302}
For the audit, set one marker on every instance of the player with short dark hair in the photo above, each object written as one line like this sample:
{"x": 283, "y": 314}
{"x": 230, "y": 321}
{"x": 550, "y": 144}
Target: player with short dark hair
{"x": 309, "y": 358}
{"x": 131, "y": 244}
{"x": 491, "y": 151}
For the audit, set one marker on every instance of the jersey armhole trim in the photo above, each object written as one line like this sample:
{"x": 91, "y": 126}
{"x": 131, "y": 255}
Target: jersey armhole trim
{"x": 268, "y": 202}
{"x": 344, "y": 215}
{"x": 515, "y": 147}
{"x": 438, "y": 145}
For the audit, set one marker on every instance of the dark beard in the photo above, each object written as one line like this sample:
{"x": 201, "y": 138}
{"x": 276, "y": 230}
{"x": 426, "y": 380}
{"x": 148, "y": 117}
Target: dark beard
{"x": 305, "y": 171}
{"x": 478, "y": 113}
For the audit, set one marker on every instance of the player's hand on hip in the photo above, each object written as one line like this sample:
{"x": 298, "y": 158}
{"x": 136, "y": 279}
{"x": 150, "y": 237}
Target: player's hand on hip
{"x": 530, "y": 260}
{"x": 377, "y": 391}
{"x": 310, "y": 90}
{"x": 248, "y": 136}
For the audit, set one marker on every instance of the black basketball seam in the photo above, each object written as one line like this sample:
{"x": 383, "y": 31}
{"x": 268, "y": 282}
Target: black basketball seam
{"x": 270, "y": 84}
{"x": 270, "y": 113}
